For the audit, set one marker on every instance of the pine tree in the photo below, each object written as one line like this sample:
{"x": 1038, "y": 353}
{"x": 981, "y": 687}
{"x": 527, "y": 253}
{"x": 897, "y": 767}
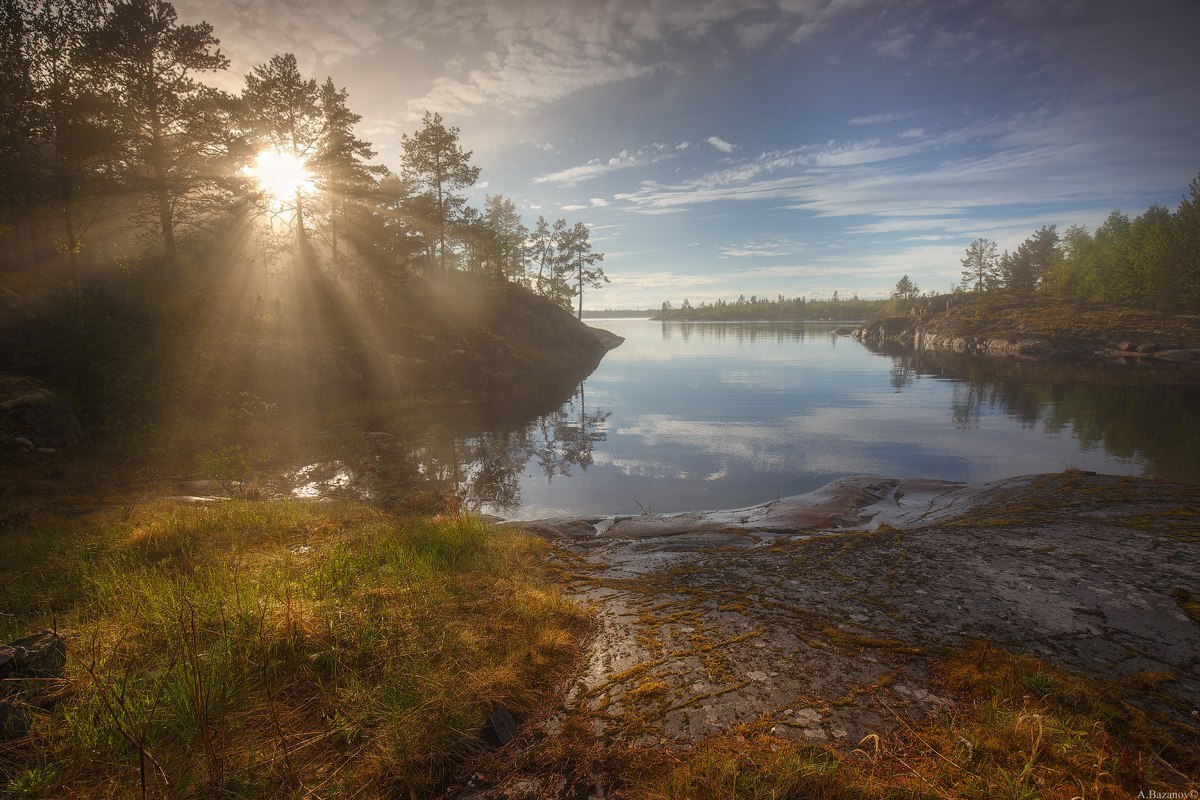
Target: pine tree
{"x": 149, "y": 62}
{"x": 57, "y": 125}
{"x": 285, "y": 114}
{"x": 434, "y": 160}
{"x": 340, "y": 161}
{"x": 979, "y": 265}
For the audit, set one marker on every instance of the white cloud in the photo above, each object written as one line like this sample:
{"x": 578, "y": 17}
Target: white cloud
{"x": 880, "y": 119}
{"x": 597, "y": 167}
{"x": 721, "y": 144}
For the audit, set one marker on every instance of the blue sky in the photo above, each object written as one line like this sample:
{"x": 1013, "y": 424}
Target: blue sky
{"x": 722, "y": 147}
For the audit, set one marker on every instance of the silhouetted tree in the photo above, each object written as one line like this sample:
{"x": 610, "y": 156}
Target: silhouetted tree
{"x": 576, "y": 254}
{"x": 540, "y": 251}
{"x": 434, "y": 160}
{"x": 905, "y": 289}
{"x": 285, "y": 114}
{"x": 507, "y": 238}
{"x": 56, "y": 124}
{"x": 340, "y": 160}
{"x": 149, "y": 62}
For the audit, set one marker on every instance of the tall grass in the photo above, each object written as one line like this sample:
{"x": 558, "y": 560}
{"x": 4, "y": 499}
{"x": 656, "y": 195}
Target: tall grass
{"x": 274, "y": 649}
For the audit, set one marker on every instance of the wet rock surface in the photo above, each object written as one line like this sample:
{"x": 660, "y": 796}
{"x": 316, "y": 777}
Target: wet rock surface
{"x": 822, "y": 613}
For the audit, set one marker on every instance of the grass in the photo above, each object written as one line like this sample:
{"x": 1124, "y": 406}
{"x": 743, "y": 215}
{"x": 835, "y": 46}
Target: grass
{"x": 1018, "y": 728}
{"x": 272, "y": 649}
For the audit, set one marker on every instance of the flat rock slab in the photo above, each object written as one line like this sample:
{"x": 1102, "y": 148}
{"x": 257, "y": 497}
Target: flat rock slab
{"x": 848, "y": 504}
{"x": 821, "y": 613}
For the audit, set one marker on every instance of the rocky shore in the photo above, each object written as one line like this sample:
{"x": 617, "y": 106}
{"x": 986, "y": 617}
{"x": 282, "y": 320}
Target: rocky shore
{"x": 1038, "y": 328}
{"x": 822, "y": 613}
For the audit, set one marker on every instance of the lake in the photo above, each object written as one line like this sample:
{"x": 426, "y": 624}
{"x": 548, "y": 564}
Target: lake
{"x": 699, "y": 416}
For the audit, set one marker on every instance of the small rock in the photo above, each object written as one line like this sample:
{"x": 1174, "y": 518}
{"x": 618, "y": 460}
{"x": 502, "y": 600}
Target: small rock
{"x": 501, "y": 728}
{"x": 40, "y": 655}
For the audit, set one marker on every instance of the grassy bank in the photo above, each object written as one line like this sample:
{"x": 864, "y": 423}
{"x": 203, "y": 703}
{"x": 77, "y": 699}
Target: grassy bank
{"x": 271, "y": 649}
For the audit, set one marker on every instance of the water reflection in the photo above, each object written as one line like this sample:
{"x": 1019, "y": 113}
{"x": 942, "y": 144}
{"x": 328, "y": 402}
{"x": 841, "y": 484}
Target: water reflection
{"x": 695, "y": 416}
{"x": 481, "y": 455}
{"x": 1142, "y": 412}
{"x": 741, "y": 332}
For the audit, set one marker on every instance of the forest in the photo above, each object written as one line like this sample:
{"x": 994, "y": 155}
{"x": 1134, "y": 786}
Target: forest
{"x": 1151, "y": 261}
{"x": 115, "y": 152}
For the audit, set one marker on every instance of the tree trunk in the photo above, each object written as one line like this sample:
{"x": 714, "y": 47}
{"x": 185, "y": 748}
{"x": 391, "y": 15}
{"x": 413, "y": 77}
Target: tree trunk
{"x": 166, "y": 219}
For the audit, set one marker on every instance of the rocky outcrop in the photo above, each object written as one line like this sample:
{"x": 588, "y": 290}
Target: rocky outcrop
{"x": 820, "y": 613}
{"x": 1036, "y": 328}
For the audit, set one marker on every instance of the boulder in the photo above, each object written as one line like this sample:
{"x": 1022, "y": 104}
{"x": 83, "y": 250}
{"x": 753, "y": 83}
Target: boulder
{"x": 32, "y": 414}
{"x": 40, "y": 655}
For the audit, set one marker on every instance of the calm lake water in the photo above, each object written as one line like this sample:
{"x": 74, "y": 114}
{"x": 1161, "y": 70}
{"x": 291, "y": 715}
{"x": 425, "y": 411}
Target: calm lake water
{"x": 698, "y": 416}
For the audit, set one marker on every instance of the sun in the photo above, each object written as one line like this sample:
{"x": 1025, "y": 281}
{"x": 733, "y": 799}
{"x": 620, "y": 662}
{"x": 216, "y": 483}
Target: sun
{"x": 281, "y": 175}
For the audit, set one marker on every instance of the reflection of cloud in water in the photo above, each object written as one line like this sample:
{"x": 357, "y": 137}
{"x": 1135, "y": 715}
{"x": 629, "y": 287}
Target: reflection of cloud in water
{"x": 639, "y": 467}
{"x": 869, "y": 440}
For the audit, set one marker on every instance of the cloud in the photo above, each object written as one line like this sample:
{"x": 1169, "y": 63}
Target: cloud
{"x": 595, "y": 202}
{"x": 1058, "y": 154}
{"x": 768, "y": 249}
{"x": 597, "y": 167}
{"x": 880, "y": 119}
{"x": 721, "y": 144}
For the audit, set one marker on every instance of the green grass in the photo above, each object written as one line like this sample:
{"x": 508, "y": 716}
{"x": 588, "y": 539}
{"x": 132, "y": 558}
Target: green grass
{"x": 272, "y": 649}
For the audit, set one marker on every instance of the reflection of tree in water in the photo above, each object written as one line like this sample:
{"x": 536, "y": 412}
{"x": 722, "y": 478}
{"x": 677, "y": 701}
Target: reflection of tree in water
{"x": 741, "y": 332}
{"x": 902, "y": 375}
{"x": 483, "y": 469}
{"x": 1142, "y": 413}
{"x": 557, "y": 441}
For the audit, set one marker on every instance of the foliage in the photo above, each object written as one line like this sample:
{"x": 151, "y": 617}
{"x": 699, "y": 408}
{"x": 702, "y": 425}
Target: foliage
{"x": 283, "y": 112}
{"x": 269, "y": 649}
{"x": 60, "y": 141}
{"x": 905, "y": 289}
{"x": 1151, "y": 261}
{"x": 165, "y": 116}
{"x": 980, "y": 266}
{"x": 433, "y": 159}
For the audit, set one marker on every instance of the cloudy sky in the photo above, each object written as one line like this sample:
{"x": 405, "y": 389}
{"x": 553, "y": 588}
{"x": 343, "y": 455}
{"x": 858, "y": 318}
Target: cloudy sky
{"x": 722, "y": 147}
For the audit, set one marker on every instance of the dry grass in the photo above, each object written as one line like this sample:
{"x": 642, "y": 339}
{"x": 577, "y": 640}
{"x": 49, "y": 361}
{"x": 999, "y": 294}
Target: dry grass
{"x": 1017, "y": 728}
{"x": 274, "y": 649}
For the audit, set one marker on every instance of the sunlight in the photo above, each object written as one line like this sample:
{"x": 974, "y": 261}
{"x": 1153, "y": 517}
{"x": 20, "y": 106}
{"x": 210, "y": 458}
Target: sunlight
{"x": 280, "y": 174}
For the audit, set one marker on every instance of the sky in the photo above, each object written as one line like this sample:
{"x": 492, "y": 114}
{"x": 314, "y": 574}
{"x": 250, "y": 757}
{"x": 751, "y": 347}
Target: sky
{"x": 763, "y": 147}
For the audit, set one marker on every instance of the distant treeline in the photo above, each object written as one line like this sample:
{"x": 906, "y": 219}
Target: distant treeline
{"x": 1151, "y": 261}
{"x": 781, "y": 308}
